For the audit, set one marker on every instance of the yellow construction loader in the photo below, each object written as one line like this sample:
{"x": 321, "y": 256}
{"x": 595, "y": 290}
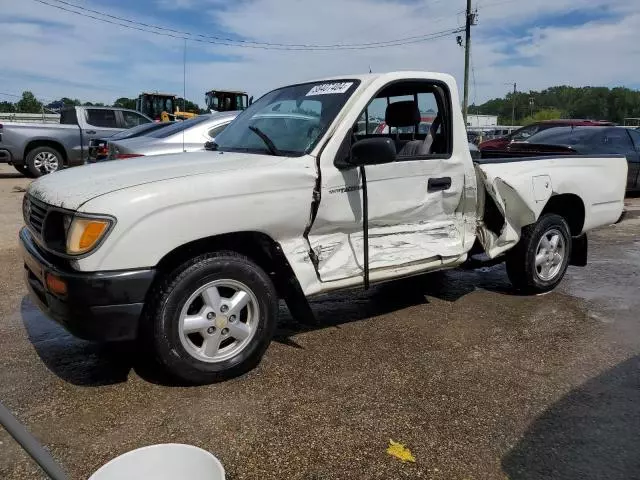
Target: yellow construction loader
{"x": 161, "y": 107}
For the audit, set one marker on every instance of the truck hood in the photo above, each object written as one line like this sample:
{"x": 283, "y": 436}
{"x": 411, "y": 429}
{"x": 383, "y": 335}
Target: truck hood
{"x": 73, "y": 187}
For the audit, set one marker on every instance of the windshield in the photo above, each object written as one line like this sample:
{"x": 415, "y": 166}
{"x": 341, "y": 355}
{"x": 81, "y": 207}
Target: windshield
{"x": 179, "y": 126}
{"x": 288, "y": 121}
{"x": 563, "y": 136}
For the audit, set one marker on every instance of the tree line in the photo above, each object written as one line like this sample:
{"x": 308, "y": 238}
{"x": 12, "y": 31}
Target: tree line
{"x": 594, "y": 103}
{"x": 28, "y": 103}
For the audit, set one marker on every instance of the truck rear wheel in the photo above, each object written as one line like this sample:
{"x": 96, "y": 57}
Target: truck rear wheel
{"x": 539, "y": 261}
{"x": 213, "y": 317}
{"x": 43, "y": 160}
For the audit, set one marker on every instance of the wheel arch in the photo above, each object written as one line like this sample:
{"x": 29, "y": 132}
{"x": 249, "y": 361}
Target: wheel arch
{"x": 258, "y": 247}
{"x": 570, "y": 207}
{"x": 33, "y": 144}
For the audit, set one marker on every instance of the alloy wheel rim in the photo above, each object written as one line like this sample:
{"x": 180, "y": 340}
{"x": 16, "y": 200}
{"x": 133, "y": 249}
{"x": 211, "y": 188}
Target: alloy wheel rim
{"x": 550, "y": 255}
{"x": 46, "y": 162}
{"x": 218, "y": 321}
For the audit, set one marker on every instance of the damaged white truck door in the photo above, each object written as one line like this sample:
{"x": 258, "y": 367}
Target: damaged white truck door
{"x": 415, "y": 219}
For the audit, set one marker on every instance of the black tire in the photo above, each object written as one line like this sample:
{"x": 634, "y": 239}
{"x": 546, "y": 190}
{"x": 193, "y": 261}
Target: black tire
{"x": 31, "y": 161}
{"x": 170, "y": 295}
{"x": 521, "y": 260}
{"x": 22, "y": 169}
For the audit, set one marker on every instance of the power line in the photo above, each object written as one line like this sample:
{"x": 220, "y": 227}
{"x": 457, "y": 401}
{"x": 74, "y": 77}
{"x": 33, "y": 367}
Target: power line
{"x": 217, "y": 40}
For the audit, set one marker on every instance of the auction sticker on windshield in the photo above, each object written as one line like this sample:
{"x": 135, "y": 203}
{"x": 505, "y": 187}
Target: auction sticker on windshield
{"x": 329, "y": 88}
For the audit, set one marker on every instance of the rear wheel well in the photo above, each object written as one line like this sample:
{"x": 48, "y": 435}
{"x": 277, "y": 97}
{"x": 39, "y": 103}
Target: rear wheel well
{"x": 570, "y": 207}
{"x": 258, "y": 247}
{"x": 45, "y": 143}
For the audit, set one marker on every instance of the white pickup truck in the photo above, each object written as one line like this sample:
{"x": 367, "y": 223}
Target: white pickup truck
{"x": 191, "y": 252}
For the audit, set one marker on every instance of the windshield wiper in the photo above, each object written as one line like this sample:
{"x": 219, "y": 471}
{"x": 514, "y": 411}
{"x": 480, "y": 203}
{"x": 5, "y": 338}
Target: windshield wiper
{"x": 273, "y": 150}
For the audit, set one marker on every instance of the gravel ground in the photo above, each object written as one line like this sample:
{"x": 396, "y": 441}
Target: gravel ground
{"x": 478, "y": 382}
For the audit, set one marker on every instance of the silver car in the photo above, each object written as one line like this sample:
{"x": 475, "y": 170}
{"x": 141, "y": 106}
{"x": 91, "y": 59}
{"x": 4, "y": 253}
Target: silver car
{"x": 187, "y": 136}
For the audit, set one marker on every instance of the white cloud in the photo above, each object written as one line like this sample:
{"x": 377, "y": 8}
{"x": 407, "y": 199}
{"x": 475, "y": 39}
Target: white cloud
{"x": 56, "y": 54}
{"x": 176, "y": 4}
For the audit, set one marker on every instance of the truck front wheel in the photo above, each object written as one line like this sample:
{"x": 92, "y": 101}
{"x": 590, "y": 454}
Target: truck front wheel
{"x": 539, "y": 261}
{"x": 213, "y": 317}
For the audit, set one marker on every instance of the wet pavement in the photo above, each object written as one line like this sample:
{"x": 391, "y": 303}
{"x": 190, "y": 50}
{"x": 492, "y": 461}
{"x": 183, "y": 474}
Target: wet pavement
{"x": 478, "y": 382}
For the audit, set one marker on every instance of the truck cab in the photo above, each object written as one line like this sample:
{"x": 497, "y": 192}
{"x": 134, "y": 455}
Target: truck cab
{"x": 227, "y": 100}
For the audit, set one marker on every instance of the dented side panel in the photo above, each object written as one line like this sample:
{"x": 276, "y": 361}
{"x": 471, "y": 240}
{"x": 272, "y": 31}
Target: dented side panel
{"x": 521, "y": 190}
{"x": 407, "y": 224}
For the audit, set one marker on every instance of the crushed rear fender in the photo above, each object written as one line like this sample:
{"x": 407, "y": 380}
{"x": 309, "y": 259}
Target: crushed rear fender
{"x": 514, "y": 207}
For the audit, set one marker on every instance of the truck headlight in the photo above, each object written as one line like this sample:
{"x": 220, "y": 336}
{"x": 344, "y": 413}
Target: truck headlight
{"x": 85, "y": 233}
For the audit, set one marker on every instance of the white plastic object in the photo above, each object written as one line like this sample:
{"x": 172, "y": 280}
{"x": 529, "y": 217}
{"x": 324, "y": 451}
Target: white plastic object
{"x": 169, "y": 461}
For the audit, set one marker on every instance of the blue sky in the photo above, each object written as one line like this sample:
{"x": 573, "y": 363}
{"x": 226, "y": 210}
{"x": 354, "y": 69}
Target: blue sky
{"x": 536, "y": 44}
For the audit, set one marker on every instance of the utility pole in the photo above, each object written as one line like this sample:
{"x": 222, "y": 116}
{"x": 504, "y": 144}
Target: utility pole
{"x": 471, "y": 20}
{"x": 513, "y": 111}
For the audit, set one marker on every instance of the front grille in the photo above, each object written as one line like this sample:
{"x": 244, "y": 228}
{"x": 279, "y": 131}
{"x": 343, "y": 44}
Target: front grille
{"x": 34, "y": 212}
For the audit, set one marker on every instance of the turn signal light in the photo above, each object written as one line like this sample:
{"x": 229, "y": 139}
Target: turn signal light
{"x": 92, "y": 232}
{"x": 85, "y": 233}
{"x": 56, "y": 284}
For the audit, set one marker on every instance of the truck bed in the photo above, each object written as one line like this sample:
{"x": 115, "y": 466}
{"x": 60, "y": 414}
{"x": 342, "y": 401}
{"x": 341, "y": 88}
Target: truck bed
{"x": 521, "y": 186}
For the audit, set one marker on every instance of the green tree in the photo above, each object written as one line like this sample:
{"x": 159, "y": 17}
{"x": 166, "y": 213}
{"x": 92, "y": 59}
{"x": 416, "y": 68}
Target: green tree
{"x": 596, "y": 103}
{"x": 68, "y": 102}
{"x": 7, "y": 107}
{"x": 541, "y": 115}
{"x": 124, "y": 102}
{"x": 28, "y": 103}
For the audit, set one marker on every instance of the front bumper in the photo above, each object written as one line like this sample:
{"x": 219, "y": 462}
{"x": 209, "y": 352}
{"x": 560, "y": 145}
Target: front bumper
{"x": 101, "y": 306}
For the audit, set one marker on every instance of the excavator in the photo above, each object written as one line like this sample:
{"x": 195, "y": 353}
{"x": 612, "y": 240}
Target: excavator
{"x": 161, "y": 107}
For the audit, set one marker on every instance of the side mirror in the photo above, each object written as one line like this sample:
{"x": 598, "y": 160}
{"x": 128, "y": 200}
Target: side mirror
{"x": 210, "y": 146}
{"x": 251, "y": 100}
{"x": 372, "y": 151}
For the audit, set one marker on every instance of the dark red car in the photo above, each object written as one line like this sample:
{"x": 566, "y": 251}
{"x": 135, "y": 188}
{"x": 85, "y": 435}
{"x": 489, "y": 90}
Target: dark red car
{"x": 523, "y": 133}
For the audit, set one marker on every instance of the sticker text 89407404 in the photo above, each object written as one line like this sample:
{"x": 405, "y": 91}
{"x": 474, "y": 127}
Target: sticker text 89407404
{"x": 329, "y": 88}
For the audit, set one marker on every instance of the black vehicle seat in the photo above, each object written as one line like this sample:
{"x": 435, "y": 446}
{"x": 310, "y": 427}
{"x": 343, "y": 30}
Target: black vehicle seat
{"x": 402, "y": 114}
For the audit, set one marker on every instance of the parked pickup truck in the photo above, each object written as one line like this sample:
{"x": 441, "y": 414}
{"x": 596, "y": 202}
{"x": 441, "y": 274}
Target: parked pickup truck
{"x": 35, "y": 149}
{"x": 191, "y": 252}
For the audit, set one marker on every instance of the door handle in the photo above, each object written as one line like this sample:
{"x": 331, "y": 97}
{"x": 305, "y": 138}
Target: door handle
{"x": 437, "y": 184}
{"x": 90, "y": 132}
